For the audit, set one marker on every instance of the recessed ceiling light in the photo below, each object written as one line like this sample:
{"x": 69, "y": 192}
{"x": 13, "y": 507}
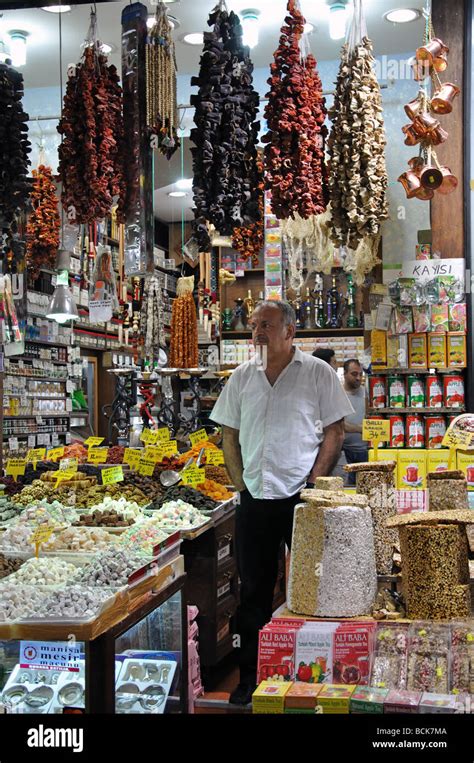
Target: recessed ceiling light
{"x": 57, "y": 8}
{"x": 402, "y": 15}
{"x": 184, "y": 184}
{"x": 308, "y": 28}
{"x": 195, "y": 38}
{"x": 338, "y": 15}
{"x": 177, "y": 194}
{"x": 17, "y": 46}
{"x": 250, "y": 26}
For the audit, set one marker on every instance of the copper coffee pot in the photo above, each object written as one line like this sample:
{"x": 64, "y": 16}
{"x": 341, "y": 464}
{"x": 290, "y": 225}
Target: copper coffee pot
{"x": 433, "y": 50}
{"x": 424, "y": 194}
{"x": 431, "y": 178}
{"x": 442, "y": 101}
{"x": 411, "y": 183}
{"x": 449, "y": 183}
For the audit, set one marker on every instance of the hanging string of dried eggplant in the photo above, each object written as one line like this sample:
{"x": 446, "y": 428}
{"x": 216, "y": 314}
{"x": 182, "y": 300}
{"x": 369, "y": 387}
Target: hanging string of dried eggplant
{"x": 90, "y": 155}
{"x": 162, "y": 107}
{"x": 14, "y": 147}
{"x": 184, "y": 336}
{"x": 225, "y": 136}
{"x": 295, "y": 114}
{"x": 42, "y": 231}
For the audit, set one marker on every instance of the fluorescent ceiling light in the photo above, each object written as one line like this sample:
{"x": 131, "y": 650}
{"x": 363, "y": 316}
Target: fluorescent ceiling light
{"x": 402, "y": 15}
{"x": 308, "y": 28}
{"x": 18, "y": 46}
{"x": 195, "y": 38}
{"x": 57, "y": 8}
{"x": 177, "y": 194}
{"x": 184, "y": 184}
{"x": 337, "y": 21}
{"x": 250, "y": 26}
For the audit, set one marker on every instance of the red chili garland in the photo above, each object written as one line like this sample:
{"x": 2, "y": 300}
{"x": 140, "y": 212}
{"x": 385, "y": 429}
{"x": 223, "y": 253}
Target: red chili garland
{"x": 295, "y": 113}
{"x": 249, "y": 241}
{"x": 42, "y": 232}
{"x": 90, "y": 158}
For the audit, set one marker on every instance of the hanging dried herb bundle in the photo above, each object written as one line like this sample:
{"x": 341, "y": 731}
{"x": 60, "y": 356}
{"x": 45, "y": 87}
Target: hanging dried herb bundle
{"x": 42, "y": 231}
{"x": 225, "y": 136}
{"x": 162, "y": 112}
{"x": 295, "y": 114}
{"x": 14, "y": 146}
{"x": 249, "y": 241}
{"x": 357, "y": 172}
{"x": 184, "y": 337}
{"x": 90, "y": 164}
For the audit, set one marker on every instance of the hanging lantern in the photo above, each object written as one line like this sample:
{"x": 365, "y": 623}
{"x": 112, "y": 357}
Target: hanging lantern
{"x": 442, "y": 101}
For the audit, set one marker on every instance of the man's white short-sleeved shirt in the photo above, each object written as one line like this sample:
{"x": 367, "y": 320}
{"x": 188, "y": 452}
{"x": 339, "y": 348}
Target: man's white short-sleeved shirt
{"x": 280, "y": 427}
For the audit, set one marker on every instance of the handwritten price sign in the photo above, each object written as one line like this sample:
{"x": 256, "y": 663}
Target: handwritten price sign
{"x": 16, "y": 467}
{"x": 132, "y": 457}
{"x": 112, "y": 474}
{"x": 193, "y": 476}
{"x": 97, "y": 455}
{"x": 199, "y": 436}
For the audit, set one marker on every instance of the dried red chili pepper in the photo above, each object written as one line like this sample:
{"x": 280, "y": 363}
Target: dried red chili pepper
{"x": 42, "y": 231}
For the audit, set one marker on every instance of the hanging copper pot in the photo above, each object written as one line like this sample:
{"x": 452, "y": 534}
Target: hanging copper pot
{"x": 438, "y": 136}
{"x": 413, "y": 108}
{"x": 442, "y": 101}
{"x": 416, "y": 163}
{"x": 440, "y": 63}
{"x": 450, "y": 181}
{"x": 421, "y": 70}
{"x": 431, "y": 51}
{"x": 411, "y": 137}
{"x": 424, "y": 194}
{"x": 411, "y": 183}
{"x": 431, "y": 178}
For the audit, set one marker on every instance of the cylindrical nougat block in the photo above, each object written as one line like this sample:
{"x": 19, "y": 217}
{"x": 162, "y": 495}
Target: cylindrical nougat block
{"x": 379, "y": 486}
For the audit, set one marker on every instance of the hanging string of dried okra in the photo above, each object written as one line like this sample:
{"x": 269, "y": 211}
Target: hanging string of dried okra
{"x": 162, "y": 107}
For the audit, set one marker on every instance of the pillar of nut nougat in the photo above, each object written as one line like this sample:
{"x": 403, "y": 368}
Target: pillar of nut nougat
{"x": 376, "y": 481}
{"x": 447, "y": 490}
{"x": 435, "y": 571}
{"x": 329, "y": 483}
{"x": 332, "y": 568}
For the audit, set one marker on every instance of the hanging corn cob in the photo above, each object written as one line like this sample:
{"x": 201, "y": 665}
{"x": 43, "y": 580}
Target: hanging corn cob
{"x": 184, "y": 337}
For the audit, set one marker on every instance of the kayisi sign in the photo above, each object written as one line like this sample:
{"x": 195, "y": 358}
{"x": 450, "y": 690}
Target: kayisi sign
{"x": 46, "y": 737}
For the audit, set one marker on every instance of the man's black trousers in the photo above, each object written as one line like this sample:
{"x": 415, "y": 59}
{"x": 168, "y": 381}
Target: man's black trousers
{"x": 261, "y": 525}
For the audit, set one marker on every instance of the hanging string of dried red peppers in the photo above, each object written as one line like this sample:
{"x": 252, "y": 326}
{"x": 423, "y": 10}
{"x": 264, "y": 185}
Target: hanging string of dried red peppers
{"x": 42, "y": 231}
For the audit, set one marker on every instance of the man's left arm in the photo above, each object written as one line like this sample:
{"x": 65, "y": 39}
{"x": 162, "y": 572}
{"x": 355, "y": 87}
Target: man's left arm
{"x": 329, "y": 451}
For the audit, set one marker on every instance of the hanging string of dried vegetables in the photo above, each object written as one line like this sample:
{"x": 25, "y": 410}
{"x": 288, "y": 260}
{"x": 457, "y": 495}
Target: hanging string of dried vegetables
{"x": 162, "y": 111}
{"x": 357, "y": 171}
{"x": 295, "y": 114}
{"x": 225, "y": 136}
{"x": 90, "y": 164}
{"x": 14, "y": 146}
{"x": 42, "y": 231}
{"x": 249, "y": 241}
{"x": 152, "y": 319}
{"x": 184, "y": 337}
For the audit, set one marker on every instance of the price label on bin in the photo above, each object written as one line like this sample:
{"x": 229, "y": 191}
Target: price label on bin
{"x": 64, "y": 475}
{"x": 376, "y": 429}
{"x": 112, "y": 474}
{"x": 193, "y": 476}
{"x": 147, "y": 436}
{"x": 199, "y": 436}
{"x": 169, "y": 448}
{"x": 214, "y": 458}
{"x": 93, "y": 442}
{"x": 16, "y": 467}
{"x": 454, "y": 438}
{"x": 35, "y": 455}
{"x": 97, "y": 455}
{"x": 54, "y": 454}
{"x": 69, "y": 464}
{"x": 41, "y": 535}
{"x": 146, "y": 466}
{"x": 131, "y": 456}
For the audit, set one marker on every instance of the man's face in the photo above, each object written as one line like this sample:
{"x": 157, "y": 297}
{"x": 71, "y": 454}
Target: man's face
{"x": 333, "y": 363}
{"x": 269, "y": 330}
{"x": 353, "y": 376}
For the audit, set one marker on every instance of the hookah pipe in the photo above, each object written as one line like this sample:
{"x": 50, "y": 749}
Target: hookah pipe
{"x": 147, "y": 391}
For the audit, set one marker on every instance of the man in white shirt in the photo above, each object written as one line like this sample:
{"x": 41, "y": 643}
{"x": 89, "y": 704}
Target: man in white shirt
{"x": 283, "y": 426}
{"x": 354, "y": 447}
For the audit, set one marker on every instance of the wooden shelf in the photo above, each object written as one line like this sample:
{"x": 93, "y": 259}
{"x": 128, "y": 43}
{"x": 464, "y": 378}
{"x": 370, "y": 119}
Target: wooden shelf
{"x": 433, "y": 411}
{"x": 302, "y": 332}
{"x": 47, "y": 344}
{"x": 32, "y": 376}
{"x": 412, "y": 371}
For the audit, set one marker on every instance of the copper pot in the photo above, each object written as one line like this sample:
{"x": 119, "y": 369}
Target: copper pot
{"x": 424, "y": 194}
{"x": 431, "y": 178}
{"x": 411, "y": 137}
{"x": 441, "y": 63}
{"x": 424, "y": 124}
{"x": 450, "y": 181}
{"x": 438, "y": 136}
{"x": 416, "y": 163}
{"x": 433, "y": 49}
{"x": 413, "y": 108}
{"x": 442, "y": 101}
{"x": 411, "y": 183}
{"x": 421, "y": 70}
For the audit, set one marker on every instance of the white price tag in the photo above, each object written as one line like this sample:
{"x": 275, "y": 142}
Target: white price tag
{"x": 54, "y": 439}
{"x": 68, "y": 438}
{"x": 39, "y": 419}
{"x": 70, "y": 386}
{"x": 21, "y": 364}
{"x": 31, "y": 441}
{"x": 47, "y": 440}
{"x": 40, "y": 439}
{"x": 13, "y": 443}
{"x": 69, "y": 406}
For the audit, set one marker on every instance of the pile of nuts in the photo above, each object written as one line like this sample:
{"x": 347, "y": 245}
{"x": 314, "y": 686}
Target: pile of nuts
{"x": 148, "y": 485}
{"x": 112, "y": 568}
{"x": 37, "y": 491}
{"x": 8, "y": 565}
{"x": 115, "y": 454}
{"x": 187, "y": 494}
{"x": 218, "y": 474}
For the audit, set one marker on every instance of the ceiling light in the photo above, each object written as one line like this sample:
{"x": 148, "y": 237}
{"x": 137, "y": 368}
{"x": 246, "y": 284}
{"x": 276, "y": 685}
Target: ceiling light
{"x": 402, "y": 15}
{"x": 308, "y": 28}
{"x": 250, "y": 26}
{"x": 18, "y": 46}
{"x": 177, "y": 194}
{"x": 184, "y": 184}
{"x": 57, "y": 8}
{"x": 195, "y": 38}
{"x": 337, "y": 20}
{"x": 62, "y": 307}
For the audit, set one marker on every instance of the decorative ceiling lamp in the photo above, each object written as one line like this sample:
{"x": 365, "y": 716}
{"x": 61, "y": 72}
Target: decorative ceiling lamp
{"x": 426, "y": 175}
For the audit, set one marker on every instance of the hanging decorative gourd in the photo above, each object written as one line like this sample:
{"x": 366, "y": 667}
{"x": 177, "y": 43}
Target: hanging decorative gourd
{"x": 184, "y": 337}
{"x": 162, "y": 107}
{"x": 426, "y": 175}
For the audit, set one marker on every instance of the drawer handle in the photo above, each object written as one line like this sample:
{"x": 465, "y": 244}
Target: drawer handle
{"x": 228, "y": 536}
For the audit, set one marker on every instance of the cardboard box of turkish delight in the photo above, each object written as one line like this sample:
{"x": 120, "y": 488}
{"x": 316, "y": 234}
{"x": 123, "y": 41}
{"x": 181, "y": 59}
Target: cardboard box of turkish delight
{"x": 352, "y": 650}
{"x": 276, "y": 653}
{"x": 438, "y": 703}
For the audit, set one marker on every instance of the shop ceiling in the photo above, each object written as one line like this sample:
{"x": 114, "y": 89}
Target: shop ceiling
{"x": 42, "y": 66}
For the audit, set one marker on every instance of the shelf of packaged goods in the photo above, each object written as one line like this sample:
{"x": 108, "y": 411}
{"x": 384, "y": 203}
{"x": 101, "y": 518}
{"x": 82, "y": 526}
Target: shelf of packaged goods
{"x": 48, "y": 344}
{"x": 34, "y": 434}
{"x": 302, "y": 332}
{"x": 40, "y": 378}
{"x": 99, "y": 334}
{"x": 396, "y": 411}
{"x": 44, "y": 360}
{"x": 42, "y": 415}
{"x": 413, "y": 371}
{"x": 31, "y": 395}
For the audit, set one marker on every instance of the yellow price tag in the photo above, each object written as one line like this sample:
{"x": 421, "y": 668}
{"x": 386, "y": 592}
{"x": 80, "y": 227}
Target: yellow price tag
{"x": 54, "y": 454}
{"x": 97, "y": 455}
{"x": 163, "y": 434}
{"x": 15, "y": 467}
{"x": 454, "y": 438}
{"x": 193, "y": 476}
{"x": 169, "y": 448}
{"x": 64, "y": 476}
{"x": 153, "y": 452}
{"x": 146, "y": 466}
{"x": 41, "y": 535}
{"x": 37, "y": 454}
{"x": 376, "y": 430}
{"x": 131, "y": 456}
{"x": 199, "y": 436}
{"x": 93, "y": 442}
{"x": 69, "y": 464}
{"x": 155, "y": 436}
{"x": 147, "y": 436}
{"x": 214, "y": 458}
{"x": 112, "y": 474}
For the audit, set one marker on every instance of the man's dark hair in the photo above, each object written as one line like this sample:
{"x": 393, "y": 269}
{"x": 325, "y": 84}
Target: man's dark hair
{"x": 347, "y": 364}
{"x": 324, "y": 353}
